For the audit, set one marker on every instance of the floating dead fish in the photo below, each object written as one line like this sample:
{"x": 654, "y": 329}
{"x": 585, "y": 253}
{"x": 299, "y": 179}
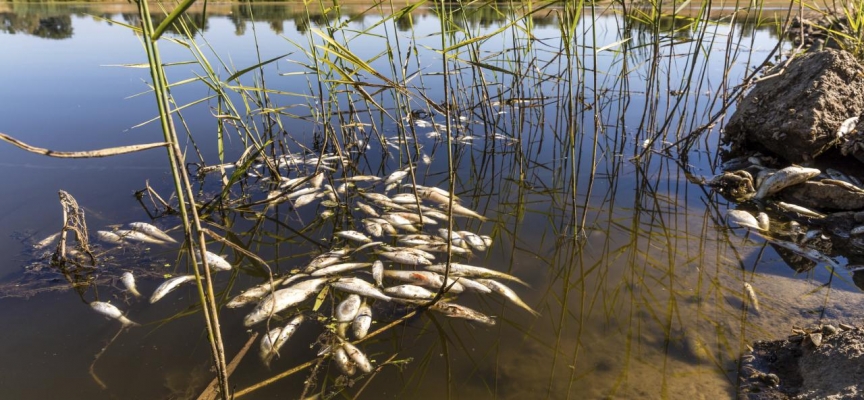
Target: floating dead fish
{"x": 344, "y": 362}
{"x": 348, "y": 309}
{"x": 304, "y": 200}
{"x": 385, "y": 226}
{"x": 359, "y": 286}
{"x": 453, "y": 310}
{"x": 736, "y": 218}
{"x": 357, "y": 357}
{"x": 169, "y": 286}
{"x": 137, "y": 236}
{"x": 404, "y": 198}
{"x": 111, "y": 311}
{"x": 425, "y": 278}
{"x": 464, "y": 212}
{"x": 413, "y": 250}
{"x": 338, "y": 269}
{"x": 50, "y": 240}
{"x": 282, "y": 299}
{"x": 216, "y": 262}
{"x": 763, "y": 221}
{"x": 255, "y": 293}
{"x": 362, "y": 322}
{"x": 456, "y": 238}
{"x": 324, "y": 260}
{"x": 405, "y": 257}
{"x": 317, "y": 180}
{"x": 784, "y": 178}
{"x": 751, "y": 297}
{"x": 378, "y": 272}
{"x": 806, "y": 212}
{"x": 368, "y": 246}
{"x": 363, "y": 178}
{"x": 276, "y": 338}
{"x": 354, "y": 235}
{"x": 412, "y": 292}
{"x": 473, "y": 240}
{"x": 367, "y": 209}
{"x": 419, "y": 239}
{"x": 397, "y": 176}
{"x": 129, "y": 281}
{"x": 463, "y": 270}
{"x": 151, "y": 230}
{"x": 505, "y": 291}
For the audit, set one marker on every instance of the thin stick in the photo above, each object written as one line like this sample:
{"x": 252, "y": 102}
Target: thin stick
{"x": 211, "y": 392}
{"x": 113, "y": 151}
{"x": 99, "y": 354}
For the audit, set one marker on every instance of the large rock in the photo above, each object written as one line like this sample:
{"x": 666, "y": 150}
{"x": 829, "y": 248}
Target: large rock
{"x": 796, "y": 114}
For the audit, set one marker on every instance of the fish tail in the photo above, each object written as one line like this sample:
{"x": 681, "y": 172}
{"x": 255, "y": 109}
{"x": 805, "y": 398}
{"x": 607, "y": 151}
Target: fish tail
{"x": 128, "y": 322}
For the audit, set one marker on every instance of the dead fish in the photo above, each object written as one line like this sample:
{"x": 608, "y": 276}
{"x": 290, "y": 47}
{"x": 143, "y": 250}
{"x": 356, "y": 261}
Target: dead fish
{"x": 458, "y": 270}
{"x": 301, "y": 192}
{"x": 138, "y": 236}
{"x": 404, "y": 198}
{"x": 472, "y": 285}
{"x": 845, "y": 185}
{"x": 799, "y": 210}
{"x": 373, "y": 228}
{"x": 473, "y": 240}
{"x": 453, "y": 310}
{"x": 397, "y": 176}
{"x": 276, "y": 338}
{"x": 255, "y": 293}
{"x": 404, "y": 257}
{"x": 425, "y": 278}
{"x": 811, "y": 254}
{"x": 317, "y": 180}
{"x": 455, "y": 237}
{"x": 505, "y": 291}
{"x": 751, "y": 296}
{"x": 343, "y": 362}
{"x": 465, "y": 212}
{"x": 413, "y": 250}
{"x": 151, "y": 230}
{"x": 426, "y": 159}
{"x": 434, "y": 194}
{"x": 304, "y": 200}
{"x": 48, "y": 241}
{"x": 282, "y": 299}
{"x": 416, "y": 218}
{"x": 357, "y": 357}
{"x": 359, "y": 286}
{"x": 129, "y": 281}
{"x": 409, "y": 292}
{"x": 367, "y": 209}
{"x": 354, "y": 235}
{"x": 784, "y": 178}
{"x": 376, "y": 197}
{"x": 386, "y": 226}
{"x": 362, "y": 322}
{"x": 397, "y": 220}
{"x": 763, "y": 221}
{"x": 323, "y": 260}
{"x": 216, "y": 262}
{"x": 169, "y": 286}
{"x": 487, "y": 240}
{"x": 111, "y": 311}
{"x": 348, "y": 309}
{"x": 736, "y": 218}
{"x": 368, "y": 245}
{"x": 419, "y": 239}
{"x": 338, "y": 268}
{"x": 363, "y": 178}
{"x": 378, "y": 272}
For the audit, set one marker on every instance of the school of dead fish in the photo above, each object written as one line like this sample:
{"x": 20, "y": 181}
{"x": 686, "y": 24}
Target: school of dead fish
{"x": 407, "y": 271}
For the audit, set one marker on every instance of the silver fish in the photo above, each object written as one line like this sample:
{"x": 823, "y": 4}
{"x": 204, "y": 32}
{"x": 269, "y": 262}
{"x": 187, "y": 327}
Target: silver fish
{"x": 455, "y": 237}
{"x": 784, "y": 178}
{"x": 800, "y": 210}
{"x": 413, "y": 250}
{"x": 317, "y": 180}
{"x": 458, "y": 270}
{"x": 357, "y": 357}
{"x": 348, "y": 308}
{"x": 378, "y": 272}
{"x": 354, "y": 235}
{"x": 255, "y": 293}
{"x": 472, "y": 285}
{"x": 404, "y": 198}
{"x": 465, "y": 212}
{"x": 359, "y": 286}
{"x": 362, "y": 322}
{"x": 276, "y": 338}
{"x": 129, "y": 281}
{"x": 505, "y": 291}
{"x": 301, "y": 192}
{"x": 419, "y": 239}
{"x": 151, "y": 230}
{"x": 216, "y": 262}
{"x": 282, "y": 299}
{"x": 473, "y": 240}
{"x": 409, "y": 292}
{"x": 48, "y": 241}
{"x": 376, "y": 197}
{"x": 453, "y": 310}
{"x": 373, "y": 228}
{"x": 397, "y": 176}
{"x": 169, "y": 286}
{"x": 736, "y": 218}
{"x": 110, "y": 310}
{"x": 406, "y": 258}
{"x": 363, "y": 178}
{"x": 304, "y": 200}
{"x": 338, "y": 268}
{"x": 323, "y": 260}
{"x": 397, "y": 220}
{"x": 386, "y": 226}
{"x": 343, "y": 362}
{"x": 367, "y": 209}
{"x": 763, "y": 221}
{"x": 137, "y": 236}
{"x": 425, "y": 278}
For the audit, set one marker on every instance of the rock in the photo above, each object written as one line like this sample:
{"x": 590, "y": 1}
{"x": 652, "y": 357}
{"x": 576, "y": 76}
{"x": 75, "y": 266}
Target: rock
{"x": 796, "y": 114}
{"x": 820, "y": 196}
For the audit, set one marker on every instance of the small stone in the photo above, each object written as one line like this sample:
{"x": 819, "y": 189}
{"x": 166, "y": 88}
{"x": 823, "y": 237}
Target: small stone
{"x": 816, "y": 339}
{"x": 829, "y": 329}
{"x": 847, "y": 327}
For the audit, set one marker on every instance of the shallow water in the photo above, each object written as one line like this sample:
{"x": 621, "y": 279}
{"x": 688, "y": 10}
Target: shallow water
{"x": 643, "y": 300}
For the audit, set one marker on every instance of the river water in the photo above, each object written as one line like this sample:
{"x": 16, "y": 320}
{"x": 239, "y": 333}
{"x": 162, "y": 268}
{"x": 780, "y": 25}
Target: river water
{"x": 638, "y": 283}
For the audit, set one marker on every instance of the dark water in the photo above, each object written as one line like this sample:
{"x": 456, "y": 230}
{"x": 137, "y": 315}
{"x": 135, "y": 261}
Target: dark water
{"x": 643, "y": 300}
